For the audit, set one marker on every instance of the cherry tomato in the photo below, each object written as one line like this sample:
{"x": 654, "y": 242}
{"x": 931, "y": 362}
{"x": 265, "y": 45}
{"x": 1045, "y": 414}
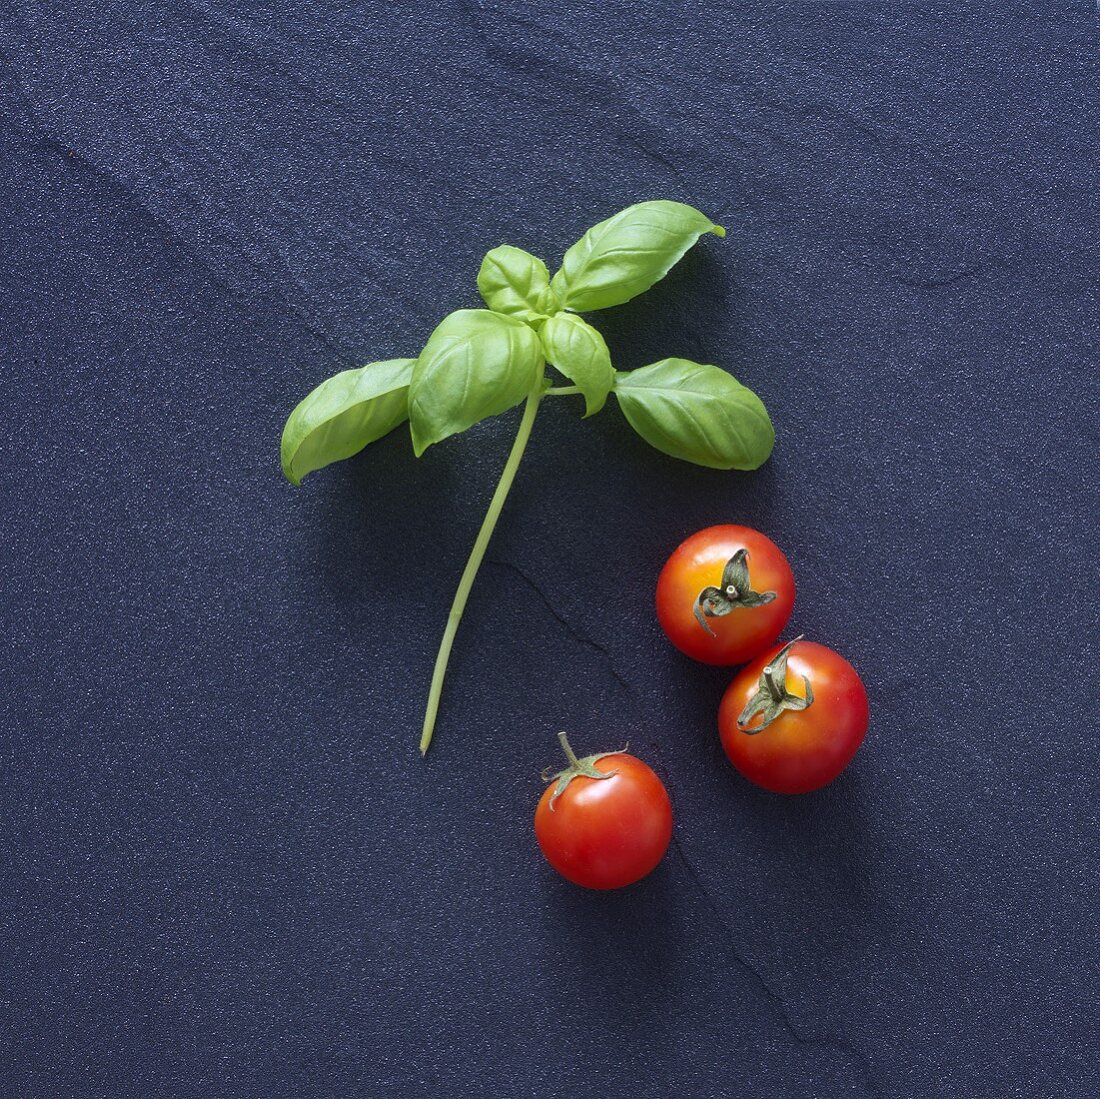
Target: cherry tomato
{"x": 605, "y": 821}
{"x": 725, "y": 594}
{"x": 792, "y": 720}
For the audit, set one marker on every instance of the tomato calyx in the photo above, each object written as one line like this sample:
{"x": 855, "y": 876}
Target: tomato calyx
{"x": 772, "y": 697}
{"x": 584, "y": 766}
{"x": 736, "y": 591}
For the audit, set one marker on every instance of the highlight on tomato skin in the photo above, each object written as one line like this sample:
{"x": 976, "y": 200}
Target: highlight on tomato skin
{"x": 725, "y": 594}
{"x": 792, "y": 720}
{"x": 605, "y": 821}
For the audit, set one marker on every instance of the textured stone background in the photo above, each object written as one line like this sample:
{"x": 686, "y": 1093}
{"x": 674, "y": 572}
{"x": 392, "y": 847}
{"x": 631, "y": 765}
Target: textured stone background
{"x": 225, "y": 869}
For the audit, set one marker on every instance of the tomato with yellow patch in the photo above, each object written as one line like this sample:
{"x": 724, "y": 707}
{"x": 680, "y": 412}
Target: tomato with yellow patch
{"x": 725, "y": 594}
{"x": 792, "y": 720}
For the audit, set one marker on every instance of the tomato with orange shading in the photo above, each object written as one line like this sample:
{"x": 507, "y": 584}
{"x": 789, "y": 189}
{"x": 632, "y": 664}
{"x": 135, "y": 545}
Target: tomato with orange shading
{"x": 725, "y": 594}
{"x": 792, "y": 720}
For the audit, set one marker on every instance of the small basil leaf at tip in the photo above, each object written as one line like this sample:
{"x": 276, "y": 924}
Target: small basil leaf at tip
{"x": 579, "y": 352}
{"x": 344, "y": 414}
{"x": 476, "y": 364}
{"x": 628, "y": 253}
{"x": 698, "y": 413}
{"x": 516, "y": 283}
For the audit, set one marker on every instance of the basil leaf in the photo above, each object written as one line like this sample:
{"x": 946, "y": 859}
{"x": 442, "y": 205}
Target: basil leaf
{"x": 343, "y": 414}
{"x": 475, "y": 364}
{"x": 626, "y": 254}
{"x": 698, "y": 413}
{"x": 579, "y": 352}
{"x": 516, "y": 283}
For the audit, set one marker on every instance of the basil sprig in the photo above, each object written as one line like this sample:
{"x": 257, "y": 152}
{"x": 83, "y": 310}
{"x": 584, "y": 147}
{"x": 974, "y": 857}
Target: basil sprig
{"x": 481, "y": 362}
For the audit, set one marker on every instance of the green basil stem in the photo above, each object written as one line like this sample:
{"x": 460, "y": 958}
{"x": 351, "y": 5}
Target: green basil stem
{"x": 477, "y": 555}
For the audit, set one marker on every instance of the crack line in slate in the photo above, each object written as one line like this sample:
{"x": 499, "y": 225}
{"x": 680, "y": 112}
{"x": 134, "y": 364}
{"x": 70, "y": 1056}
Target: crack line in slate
{"x": 933, "y": 283}
{"x": 531, "y": 60}
{"x": 564, "y": 622}
{"x": 654, "y": 155}
{"x": 50, "y": 134}
{"x": 132, "y": 194}
{"x": 830, "y": 1041}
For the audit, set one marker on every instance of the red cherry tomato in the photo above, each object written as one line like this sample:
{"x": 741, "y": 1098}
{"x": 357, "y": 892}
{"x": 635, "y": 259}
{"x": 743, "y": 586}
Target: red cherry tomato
{"x": 605, "y": 821}
{"x": 725, "y": 594}
{"x": 792, "y": 720}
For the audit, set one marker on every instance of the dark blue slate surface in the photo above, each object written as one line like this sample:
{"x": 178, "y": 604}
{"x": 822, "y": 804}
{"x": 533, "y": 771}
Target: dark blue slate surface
{"x": 225, "y": 869}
